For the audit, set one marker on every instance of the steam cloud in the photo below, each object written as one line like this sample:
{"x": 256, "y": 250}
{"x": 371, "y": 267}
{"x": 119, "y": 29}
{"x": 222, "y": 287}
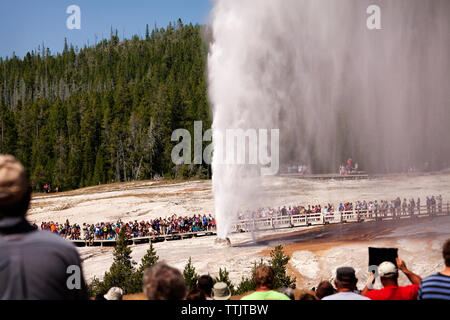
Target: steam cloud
{"x": 334, "y": 88}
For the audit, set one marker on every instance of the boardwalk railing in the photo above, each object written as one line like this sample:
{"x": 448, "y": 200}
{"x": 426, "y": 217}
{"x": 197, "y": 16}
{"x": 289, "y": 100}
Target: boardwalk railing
{"x": 148, "y": 239}
{"x": 288, "y": 221}
{"x": 304, "y": 220}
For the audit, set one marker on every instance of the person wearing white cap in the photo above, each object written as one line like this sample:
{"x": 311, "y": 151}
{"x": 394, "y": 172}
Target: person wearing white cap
{"x": 114, "y": 293}
{"x": 389, "y": 279}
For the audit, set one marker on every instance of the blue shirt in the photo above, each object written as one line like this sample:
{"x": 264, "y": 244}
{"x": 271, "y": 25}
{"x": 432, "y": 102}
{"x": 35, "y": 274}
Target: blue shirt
{"x": 436, "y": 286}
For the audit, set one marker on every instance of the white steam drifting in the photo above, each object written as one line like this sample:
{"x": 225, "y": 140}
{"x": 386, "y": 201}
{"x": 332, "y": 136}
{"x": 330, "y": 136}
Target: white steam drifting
{"x": 334, "y": 88}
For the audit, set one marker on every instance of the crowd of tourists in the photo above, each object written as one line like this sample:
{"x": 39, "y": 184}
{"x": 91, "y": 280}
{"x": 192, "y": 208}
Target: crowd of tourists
{"x": 348, "y": 168}
{"x": 434, "y": 204}
{"x": 197, "y": 223}
{"x": 135, "y": 229}
{"x": 301, "y": 169}
{"x": 163, "y": 282}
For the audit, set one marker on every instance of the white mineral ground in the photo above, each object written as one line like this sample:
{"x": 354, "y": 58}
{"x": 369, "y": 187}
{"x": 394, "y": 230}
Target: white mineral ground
{"x": 315, "y": 252}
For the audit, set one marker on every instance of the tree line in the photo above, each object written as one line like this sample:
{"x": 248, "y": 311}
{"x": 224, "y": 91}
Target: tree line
{"x": 105, "y": 113}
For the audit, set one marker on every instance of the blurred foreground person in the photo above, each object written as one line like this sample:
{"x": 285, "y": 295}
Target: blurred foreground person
{"x": 264, "y": 283}
{"x": 196, "y": 295}
{"x": 324, "y": 289}
{"x": 345, "y": 283}
{"x": 288, "y": 292}
{"x": 389, "y": 279}
{"x": 162, "y": 282}
{"x": 306, "y": 295}
{"x": 34, "y": 265}
{"x": 437, "y": 286}
{"x": 205, "y": 283}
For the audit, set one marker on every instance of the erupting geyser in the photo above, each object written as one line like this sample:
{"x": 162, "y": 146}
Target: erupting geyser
{"x": 334, "y": 88}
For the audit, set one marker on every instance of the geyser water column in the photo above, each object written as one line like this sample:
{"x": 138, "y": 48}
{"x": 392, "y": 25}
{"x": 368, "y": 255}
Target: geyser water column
{"x": 334, "y": 88}
{"x": 242, "y": 99}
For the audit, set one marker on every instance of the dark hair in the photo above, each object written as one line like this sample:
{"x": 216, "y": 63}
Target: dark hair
{"x": 18, "y": 209}
{"x": 196, "y": 295}
{"x": 264, "y": 277}
{"x": 205, "y": 283}
{"x": 325, "y": 288}
{"x": 446, "y": 253}
{"x": 345, "y": 284}
{"x": 99, "y": 297}
{"x": 307, "y": 296}
{"x": 162, "y": 282}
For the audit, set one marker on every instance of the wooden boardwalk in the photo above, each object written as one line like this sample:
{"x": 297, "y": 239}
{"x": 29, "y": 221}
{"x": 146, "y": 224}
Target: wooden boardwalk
{"x": 141, "y": 240}
{"x": 283, "y": 222}
{"x": 329, "y": 176}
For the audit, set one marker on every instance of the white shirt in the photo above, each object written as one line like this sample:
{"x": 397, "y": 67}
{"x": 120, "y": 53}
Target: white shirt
{"x": 345, "y": 296}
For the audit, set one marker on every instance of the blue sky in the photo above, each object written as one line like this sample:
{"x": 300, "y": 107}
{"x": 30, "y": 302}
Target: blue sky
{"x": 26, "y": 24}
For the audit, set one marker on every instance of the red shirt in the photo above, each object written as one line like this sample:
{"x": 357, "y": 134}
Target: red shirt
{"x": 394, "y": 293}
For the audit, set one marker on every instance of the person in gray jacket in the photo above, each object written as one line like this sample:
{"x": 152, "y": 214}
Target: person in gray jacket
{"x": 34, "y": 265}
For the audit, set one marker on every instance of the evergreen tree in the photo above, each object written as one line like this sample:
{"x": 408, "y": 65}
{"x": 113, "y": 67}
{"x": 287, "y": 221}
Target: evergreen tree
{"x": 106, "y": 112}
{"x": 66, "y": 47}
{"x": 148, "y": 261}
{"x": 147, "y": 33}
{"x": 8, "y": 133}
{"x": 247, "y": 283}
{"x": 190, "y": 276}
{"x": 278, "y": 264}
{"x": 121, "y": 273}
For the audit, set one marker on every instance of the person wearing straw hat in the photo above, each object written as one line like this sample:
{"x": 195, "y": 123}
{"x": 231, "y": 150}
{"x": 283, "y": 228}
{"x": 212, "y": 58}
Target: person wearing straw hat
{"x": 221, "y": 291}
{"x": 114, "y": 293}
{"x": 36, "y": 265}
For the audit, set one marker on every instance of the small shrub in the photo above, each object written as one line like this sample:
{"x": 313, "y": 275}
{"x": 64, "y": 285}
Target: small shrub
{"x": 190, "y": 276}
